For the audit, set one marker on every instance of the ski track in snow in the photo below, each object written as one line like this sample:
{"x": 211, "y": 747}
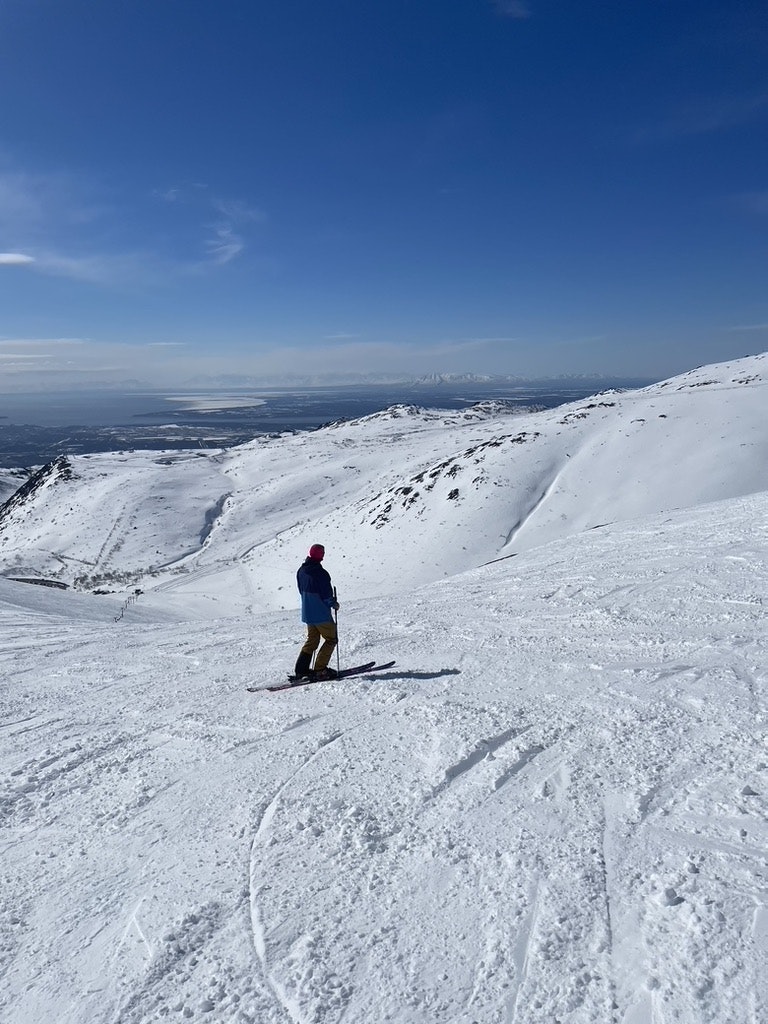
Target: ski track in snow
{"x": 555, "y": 765}
{"x": 553, "y": 810}
{"x": 572, "y": 828}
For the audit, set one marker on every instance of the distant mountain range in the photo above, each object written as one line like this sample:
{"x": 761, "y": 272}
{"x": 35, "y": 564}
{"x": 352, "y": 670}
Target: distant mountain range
{"x": 425, "y": 380}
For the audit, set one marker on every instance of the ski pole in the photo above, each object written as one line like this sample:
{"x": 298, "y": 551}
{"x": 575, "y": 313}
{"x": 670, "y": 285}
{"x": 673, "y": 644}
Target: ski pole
{"x": 336, "y": 620}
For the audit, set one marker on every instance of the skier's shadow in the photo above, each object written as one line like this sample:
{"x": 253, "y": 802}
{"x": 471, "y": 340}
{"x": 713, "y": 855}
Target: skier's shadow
{"x": 415, "y": 675}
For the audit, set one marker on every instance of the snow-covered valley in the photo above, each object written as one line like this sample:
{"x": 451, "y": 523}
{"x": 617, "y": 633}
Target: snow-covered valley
{"x": 553, "y": 808}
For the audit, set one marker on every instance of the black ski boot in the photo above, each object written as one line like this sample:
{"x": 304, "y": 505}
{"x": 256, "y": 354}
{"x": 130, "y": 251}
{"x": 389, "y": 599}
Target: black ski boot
{"x": 326, "y": 673}
{"x": 302, "y": 669}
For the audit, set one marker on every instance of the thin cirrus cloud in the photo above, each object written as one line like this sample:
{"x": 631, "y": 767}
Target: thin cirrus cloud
{"x": 227, "y": 242}
{"x": 26, "y": 359}
{"x": 59, "y": 223}
{"x": 41, "y": 206}
{"x": 129, "y": 269}
{"x": 24, "y": 356}
{"x": 225, "y": 245}
{"x": 226, "y": 233}
{"x": 38, "y": 348}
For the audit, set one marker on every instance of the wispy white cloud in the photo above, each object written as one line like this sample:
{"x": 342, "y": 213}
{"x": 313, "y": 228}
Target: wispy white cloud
{"x": 226, "y": 234}
{"x": 128, "y": 269}
{"x": 749, "y": 327}
{"x": 59, "y": 223}
{"x": 15, "y": 259}
{"x": 38, "y": 206}
{"x": 225, "y": 245}
{"x": 65, "y": 227}
{"x": 27, "y": 359}
{"x": 42, "y": 363}
{"x": 40, "y": 342}
{"x": 227, "y": 242}
{"x": 238, "y": 212}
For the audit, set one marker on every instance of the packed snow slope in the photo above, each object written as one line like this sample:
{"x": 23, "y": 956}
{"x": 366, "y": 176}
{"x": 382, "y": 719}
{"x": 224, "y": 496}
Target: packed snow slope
{"x": 554, "y": 808}
{"x": 428, "y": 494}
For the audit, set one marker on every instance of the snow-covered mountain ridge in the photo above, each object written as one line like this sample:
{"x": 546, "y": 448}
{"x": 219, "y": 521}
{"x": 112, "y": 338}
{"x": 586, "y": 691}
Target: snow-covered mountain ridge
{"x": 554, "y": 808}
{"x": 430, "y": 493}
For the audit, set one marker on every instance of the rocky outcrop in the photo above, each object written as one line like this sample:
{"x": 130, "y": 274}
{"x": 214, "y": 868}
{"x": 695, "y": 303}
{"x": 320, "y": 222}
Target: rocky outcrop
{"x": 50, "y": 473}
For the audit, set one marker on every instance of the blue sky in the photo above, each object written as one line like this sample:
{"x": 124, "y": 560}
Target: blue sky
{"x": 207, "y": 187}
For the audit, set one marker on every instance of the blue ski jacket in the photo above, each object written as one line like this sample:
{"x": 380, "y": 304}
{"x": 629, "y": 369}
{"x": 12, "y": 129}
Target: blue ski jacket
{"x": 316, "y": 591}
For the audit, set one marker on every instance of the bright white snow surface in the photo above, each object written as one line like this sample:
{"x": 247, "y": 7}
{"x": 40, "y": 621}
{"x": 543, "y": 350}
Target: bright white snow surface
{"x": 553, "y": 809}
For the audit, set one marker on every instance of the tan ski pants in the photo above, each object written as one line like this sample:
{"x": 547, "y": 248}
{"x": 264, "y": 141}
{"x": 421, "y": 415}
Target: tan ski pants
{"x": 326, "y": 631}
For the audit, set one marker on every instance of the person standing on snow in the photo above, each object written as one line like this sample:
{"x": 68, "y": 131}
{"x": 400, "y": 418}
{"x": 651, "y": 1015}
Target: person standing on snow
{"x": 317, "y": 604}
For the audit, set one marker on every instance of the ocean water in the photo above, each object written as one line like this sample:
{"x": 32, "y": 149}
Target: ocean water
{"x": 37, "y": 427}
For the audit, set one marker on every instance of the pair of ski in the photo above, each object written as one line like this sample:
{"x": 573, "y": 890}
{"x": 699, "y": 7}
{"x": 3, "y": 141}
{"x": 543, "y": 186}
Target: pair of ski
{"x": 293, "y": 682}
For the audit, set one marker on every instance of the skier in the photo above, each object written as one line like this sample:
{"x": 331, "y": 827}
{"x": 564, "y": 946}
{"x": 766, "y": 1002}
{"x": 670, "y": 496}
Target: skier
{"x": 317, "y": 603}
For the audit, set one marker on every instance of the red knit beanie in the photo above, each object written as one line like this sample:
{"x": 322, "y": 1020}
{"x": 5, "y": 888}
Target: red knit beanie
{"x": 317, "y": 552}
